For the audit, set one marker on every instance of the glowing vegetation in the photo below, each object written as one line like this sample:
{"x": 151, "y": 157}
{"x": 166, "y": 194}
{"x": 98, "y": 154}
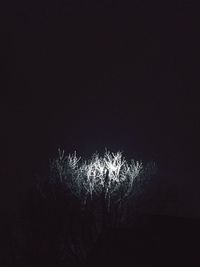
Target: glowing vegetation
{"x": 110, "y": 176}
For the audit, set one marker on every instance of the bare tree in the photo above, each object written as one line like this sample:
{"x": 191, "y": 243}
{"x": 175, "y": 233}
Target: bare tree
{"x": 86, "y": 197}
{"x": 110, "y": 178}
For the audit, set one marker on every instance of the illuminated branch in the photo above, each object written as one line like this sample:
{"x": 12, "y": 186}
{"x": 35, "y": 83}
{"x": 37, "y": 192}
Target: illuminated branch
{"x": 106, "y": 188}
{"x": 110, "y": 174}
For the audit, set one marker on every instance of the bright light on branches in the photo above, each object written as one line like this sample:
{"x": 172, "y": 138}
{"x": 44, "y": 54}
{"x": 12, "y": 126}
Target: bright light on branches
{"x": 109, "y": 175}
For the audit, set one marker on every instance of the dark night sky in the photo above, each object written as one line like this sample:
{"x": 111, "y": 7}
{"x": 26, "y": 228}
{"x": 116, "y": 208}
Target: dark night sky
{"x": 85, "y": 76}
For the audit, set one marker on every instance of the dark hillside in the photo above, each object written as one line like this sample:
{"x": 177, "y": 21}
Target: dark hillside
{"x": 152, "y": 241}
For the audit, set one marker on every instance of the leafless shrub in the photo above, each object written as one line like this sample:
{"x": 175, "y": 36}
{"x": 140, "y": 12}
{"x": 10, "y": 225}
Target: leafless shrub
{"x": 109, "y": 175}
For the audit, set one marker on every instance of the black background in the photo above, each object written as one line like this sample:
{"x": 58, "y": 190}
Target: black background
{"x": 88, "y": 75}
